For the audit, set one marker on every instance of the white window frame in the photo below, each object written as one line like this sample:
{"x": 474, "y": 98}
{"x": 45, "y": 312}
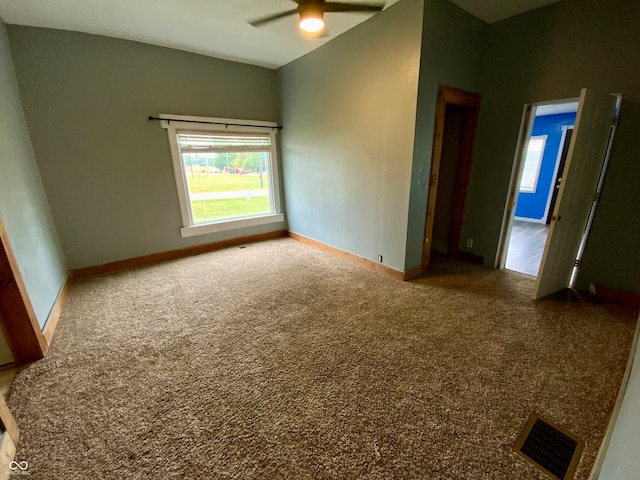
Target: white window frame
{"x": 533, "y": 189}
{"x": 175, "y": 123}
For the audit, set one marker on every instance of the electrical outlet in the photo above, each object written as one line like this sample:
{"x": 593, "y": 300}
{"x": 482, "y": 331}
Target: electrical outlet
{"x": 380, "y": 258}
{"x": 469, "y": 242}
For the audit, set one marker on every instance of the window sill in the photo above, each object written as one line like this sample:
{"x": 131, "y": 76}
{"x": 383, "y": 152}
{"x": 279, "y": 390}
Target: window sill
{"x": 234, "y": 224}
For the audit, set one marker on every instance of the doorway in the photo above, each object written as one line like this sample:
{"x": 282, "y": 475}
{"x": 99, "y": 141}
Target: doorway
{"x": 579, "y": 186}
{"x": 542, "y": 166}
{"x": 454, "y": 136}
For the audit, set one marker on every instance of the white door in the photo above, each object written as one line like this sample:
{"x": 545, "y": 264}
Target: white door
{"x": 577, "y": 191}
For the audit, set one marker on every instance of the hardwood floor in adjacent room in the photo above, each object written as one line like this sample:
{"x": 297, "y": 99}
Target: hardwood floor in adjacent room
{"x": 526, "y": 246}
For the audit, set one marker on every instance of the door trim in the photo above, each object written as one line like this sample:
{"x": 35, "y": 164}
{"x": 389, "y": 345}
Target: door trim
{"x": 450, "y": 96}
{"x": 17, "y": 316}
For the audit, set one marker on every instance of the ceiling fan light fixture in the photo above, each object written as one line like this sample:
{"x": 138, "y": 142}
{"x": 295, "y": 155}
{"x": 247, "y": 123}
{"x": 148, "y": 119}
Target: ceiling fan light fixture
{"x": 311, "y": 25}
{"x": 311, "y": 16}
{"x": 311, "y": 13}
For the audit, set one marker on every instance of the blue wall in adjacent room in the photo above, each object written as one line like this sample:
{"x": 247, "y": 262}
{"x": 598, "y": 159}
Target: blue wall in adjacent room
{"x": 533, "y": 205}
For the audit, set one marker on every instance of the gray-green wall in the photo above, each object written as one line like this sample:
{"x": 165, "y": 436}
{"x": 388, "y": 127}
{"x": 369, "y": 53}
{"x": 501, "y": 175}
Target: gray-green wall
{"x": 23, "y": 205}
{"x": 453, "y": 43}
{"x": 106, "y": 169}
{"x": 549, "y": 54}
{"x": 348, "y": 111}
{"x": 358, "y": 127}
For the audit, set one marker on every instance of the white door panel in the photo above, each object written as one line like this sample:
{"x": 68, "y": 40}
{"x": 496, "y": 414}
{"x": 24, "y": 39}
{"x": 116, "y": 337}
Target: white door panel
{"x": 577, "y": 191}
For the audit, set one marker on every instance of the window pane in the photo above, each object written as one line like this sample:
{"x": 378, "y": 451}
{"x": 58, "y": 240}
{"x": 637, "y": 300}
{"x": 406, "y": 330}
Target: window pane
{"x": 229, "y": 183}
{"x": 532, "y": 162}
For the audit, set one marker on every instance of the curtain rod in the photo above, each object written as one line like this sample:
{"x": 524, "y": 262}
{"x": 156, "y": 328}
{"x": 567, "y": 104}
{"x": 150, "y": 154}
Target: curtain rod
{"x": 169, "y": 120}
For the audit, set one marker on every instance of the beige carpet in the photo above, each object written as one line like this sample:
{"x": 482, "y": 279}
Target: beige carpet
{"x": 279, "y": 361}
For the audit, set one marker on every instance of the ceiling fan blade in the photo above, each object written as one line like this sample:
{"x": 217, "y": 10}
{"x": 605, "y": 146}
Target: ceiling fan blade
{"x": 352, "y": 7}
{"x": 271, "y": 18}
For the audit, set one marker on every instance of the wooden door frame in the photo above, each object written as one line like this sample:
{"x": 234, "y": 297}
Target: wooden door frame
{"x": 17, "y": 316}
{"x": 471, "y": 101}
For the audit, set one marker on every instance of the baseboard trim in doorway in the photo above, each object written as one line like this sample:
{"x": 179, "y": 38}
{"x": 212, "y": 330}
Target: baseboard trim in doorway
{"x": 170, "y": 255}
{"x": 350, "y": 257}
{"x": 54, "y": 315}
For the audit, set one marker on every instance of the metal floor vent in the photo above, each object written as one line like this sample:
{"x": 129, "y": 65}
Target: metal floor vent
{"x": 552, "y": 450}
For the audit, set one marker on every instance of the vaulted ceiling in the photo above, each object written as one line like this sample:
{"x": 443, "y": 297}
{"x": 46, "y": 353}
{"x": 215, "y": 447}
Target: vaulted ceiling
{"x": 217, "y": 28}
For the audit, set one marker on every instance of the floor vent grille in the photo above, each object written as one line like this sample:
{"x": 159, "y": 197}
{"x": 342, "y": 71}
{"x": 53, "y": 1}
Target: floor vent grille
{"x": 554, "y": 451}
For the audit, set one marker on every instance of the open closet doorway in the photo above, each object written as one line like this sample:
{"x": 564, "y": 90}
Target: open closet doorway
{"x": 542, "y": 166}
{"x": 571, "y": 208}
{"x": 454, "y": 136}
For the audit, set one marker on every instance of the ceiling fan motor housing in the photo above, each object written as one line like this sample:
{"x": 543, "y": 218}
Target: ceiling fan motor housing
{"x": 311, "y": 9}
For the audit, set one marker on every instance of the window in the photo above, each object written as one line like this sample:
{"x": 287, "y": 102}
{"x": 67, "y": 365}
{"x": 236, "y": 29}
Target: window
{"x": 226, "y": 174}
{"x": 532, "y": 163}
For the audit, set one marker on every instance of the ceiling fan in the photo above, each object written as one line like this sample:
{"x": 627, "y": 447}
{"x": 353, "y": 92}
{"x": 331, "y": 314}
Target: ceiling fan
{"x": 312, "y": 12}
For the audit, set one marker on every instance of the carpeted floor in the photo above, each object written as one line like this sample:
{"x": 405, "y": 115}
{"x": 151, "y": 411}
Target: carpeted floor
{"x": 279, "y": 361}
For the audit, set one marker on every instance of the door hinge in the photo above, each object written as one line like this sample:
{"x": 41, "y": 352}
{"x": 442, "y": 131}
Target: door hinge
{"x": 576, "y": 264}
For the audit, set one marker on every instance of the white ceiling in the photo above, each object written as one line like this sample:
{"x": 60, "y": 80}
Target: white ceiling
{"x": 492, "y": 11}
{"x": 555, "y": 108}
{"x": 217, "y": 28}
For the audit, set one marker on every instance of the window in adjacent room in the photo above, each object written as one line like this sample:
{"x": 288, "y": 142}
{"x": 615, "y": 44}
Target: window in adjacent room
{"x": 226, "y": 175}
{"x": 532, "y": 163}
